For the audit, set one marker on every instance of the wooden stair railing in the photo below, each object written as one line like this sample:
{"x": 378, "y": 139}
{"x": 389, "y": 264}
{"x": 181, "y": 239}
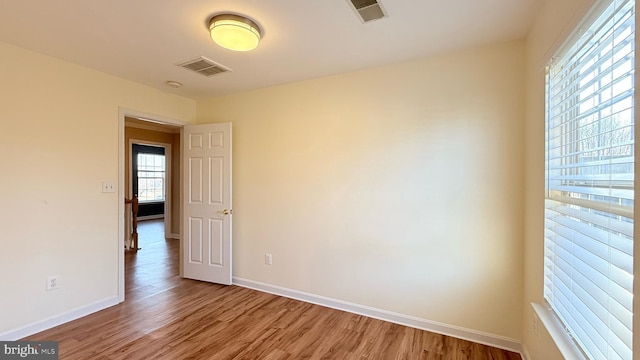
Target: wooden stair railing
{"x": 134, "y": 222}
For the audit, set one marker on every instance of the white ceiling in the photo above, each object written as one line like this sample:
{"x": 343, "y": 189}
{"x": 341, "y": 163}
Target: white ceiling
{"x": 143, "y": 40}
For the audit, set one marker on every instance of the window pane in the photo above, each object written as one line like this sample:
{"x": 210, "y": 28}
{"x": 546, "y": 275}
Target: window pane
{"x": 151, "y": 175}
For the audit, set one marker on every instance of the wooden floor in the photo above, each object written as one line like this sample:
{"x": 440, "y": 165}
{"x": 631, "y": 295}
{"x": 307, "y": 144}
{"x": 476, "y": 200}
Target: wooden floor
{"x": 165, "y": 317}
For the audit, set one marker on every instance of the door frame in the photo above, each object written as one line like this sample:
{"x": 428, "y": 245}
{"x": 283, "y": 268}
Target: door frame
{"x": 122, "y": 113}
{"x": 167, "y": 183}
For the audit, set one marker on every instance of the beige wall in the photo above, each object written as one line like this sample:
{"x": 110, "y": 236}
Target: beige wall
{"x": 555, "y": 20}
{"x": 59, "y": 141}
{"x": 158, "y": 137}
{"x": 398, "y": 188}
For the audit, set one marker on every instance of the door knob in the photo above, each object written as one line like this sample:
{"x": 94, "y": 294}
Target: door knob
{"x": 227, "y": 212}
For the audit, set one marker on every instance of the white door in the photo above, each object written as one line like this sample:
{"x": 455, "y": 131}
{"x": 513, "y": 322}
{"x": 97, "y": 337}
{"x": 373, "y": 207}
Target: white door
{"x": 206, "y": 219}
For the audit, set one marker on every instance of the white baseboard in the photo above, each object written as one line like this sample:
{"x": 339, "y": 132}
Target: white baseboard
{"x": 396, "y": 318}
{"x": 174, "y": 236}
{"x": 39, "y": 326}
{"x": 150, "y": 217}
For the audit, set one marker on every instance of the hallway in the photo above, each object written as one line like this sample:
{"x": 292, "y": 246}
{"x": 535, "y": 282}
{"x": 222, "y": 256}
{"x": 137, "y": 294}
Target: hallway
{"x": 155, "y": 267}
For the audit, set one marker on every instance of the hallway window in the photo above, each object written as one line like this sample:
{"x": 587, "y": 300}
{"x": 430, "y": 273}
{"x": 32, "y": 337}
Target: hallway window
{"x": 588, "y": 264}
{"x": 151, "y": 177}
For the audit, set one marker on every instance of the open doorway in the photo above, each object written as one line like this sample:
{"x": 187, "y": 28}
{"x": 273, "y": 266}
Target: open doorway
{"x": 154, "y": 175}
{"x": 204, "y": 203}
{"x": 150, "y": 183}
{"x": 152, "y": 171}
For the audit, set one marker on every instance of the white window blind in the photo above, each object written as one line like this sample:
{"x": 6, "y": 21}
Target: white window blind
{"x": 588, "y": 263}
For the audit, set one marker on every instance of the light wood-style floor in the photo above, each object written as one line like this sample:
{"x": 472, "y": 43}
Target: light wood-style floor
{"x": 166, "y": 317}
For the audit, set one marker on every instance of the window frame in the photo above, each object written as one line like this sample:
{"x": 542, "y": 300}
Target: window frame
{"x": 162, "y": 178}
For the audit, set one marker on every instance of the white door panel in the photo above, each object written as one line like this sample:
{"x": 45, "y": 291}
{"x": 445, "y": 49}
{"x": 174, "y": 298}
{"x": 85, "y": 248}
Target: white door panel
{"x": 207, "y": 207}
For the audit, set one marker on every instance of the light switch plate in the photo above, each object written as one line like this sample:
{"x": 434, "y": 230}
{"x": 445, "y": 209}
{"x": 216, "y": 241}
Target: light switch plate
{"x": 107, "y": 187}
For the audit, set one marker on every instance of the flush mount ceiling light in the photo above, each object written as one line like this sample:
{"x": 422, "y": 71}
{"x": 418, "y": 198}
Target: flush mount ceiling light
{"x": 234, "y": 32}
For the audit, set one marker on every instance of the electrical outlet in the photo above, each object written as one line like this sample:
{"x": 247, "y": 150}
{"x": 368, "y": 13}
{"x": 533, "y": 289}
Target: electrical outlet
{"x": 107, "y": 187}
{"x": 53, "y": 282}
{"x": 268, "y": 259}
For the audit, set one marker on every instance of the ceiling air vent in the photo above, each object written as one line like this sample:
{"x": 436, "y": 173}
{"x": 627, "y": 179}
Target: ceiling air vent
{"x": 368, "y": 10}
{"x": 204, "y": 66}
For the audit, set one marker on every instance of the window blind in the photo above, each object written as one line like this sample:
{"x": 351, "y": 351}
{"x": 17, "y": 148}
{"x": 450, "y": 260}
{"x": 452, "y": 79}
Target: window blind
{"x": 588, "y": 255}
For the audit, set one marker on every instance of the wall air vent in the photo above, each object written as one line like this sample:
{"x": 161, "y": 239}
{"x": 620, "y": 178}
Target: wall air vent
{"x": 204, "y": 66}
{"x": 368, "y": 10}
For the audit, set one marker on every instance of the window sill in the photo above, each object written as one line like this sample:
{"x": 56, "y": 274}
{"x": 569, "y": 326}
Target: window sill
{"x": 565, "y": 344}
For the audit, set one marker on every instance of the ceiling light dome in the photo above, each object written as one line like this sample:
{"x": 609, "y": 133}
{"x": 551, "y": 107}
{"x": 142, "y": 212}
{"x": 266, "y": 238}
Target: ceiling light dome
{"x": 234, "y": 32}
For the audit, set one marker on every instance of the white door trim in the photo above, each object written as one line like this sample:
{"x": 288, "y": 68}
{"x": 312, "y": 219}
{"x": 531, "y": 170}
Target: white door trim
{"x": 122, "y": 113}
